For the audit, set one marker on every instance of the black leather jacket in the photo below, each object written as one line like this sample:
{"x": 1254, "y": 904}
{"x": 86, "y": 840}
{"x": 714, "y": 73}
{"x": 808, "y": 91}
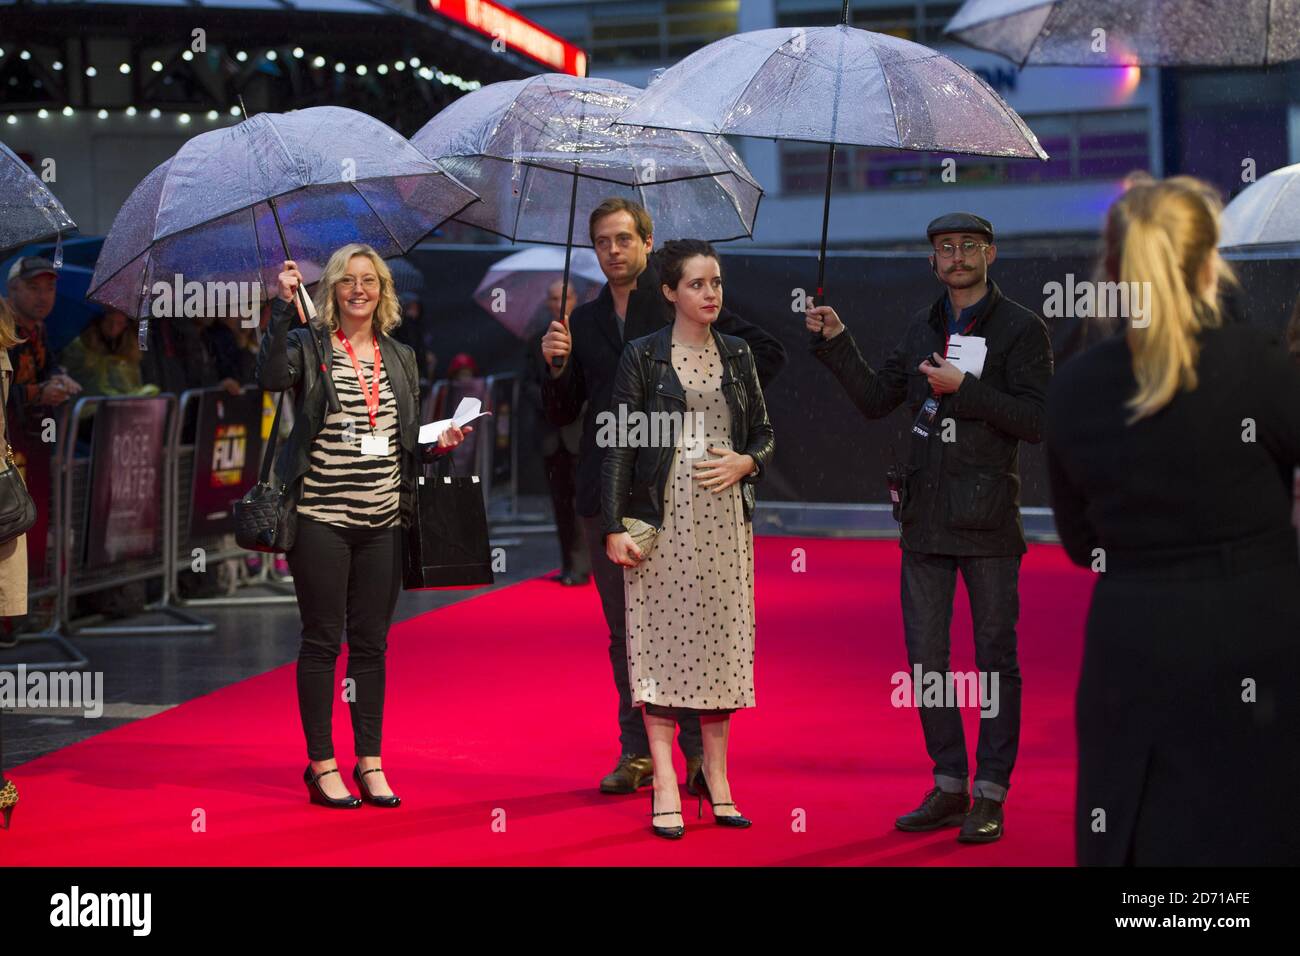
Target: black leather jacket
{"x": 633, "y": 479}
{"x": 285, "y": 360}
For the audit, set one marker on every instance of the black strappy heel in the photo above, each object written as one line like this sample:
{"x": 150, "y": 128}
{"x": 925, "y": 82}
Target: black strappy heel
{"x": 318, "y": 796}
{"x": 668, "y": 833}
{"x": 735, "y": 820}
{"x": 359, "y": 776}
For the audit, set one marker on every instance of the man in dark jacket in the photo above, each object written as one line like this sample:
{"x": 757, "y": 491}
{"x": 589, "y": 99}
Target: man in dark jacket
{"x": 960, "y": 501}
{"x": 629, "y": 306}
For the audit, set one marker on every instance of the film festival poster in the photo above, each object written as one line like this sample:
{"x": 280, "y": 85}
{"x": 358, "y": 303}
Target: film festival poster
{"x": 124, "y": 520}
{"x": 227, "y": 451}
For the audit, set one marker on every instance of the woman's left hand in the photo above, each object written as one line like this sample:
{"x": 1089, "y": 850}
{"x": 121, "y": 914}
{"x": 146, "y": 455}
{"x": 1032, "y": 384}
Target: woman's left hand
{"x": 719, "y": 474}
{"x": 453, "y": 436}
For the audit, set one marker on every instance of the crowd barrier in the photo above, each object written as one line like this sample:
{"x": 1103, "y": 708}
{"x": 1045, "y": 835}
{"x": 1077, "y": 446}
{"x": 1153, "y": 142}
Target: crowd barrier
{"x": 82, "y": 552}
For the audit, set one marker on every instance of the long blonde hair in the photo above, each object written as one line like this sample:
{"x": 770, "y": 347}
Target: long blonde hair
{"x": 1171, "y": 235}
{"x": 388, "y": 313}
{"x": 9, "y": 336}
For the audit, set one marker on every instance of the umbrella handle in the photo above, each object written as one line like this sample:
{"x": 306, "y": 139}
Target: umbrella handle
{"x": 556, "y": 361}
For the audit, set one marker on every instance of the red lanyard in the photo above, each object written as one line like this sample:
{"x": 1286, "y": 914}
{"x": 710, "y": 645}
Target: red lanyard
{"x": 966, "y": 331}
{"x": 372, "y": 401}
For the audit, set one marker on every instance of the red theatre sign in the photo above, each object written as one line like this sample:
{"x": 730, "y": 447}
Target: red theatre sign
{"x": 516, "y": 32}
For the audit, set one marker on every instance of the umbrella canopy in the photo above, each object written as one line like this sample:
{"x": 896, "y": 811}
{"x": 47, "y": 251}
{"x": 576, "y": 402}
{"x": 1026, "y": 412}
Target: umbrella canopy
{"x": 28, "y": 210}
{"x": 838, "y": 85}
{"x": 514, "y": 290}
{"x": 520, "y": 144}
{"x": 336, "y": 175}
{"x": 1132, "y": 32}
{"x": 1265, "y": 216}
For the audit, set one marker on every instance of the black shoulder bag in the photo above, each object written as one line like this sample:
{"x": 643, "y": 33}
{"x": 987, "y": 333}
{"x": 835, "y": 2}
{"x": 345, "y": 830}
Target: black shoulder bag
{"x": 264, "y": 519}
{"x": 17, "y": 510}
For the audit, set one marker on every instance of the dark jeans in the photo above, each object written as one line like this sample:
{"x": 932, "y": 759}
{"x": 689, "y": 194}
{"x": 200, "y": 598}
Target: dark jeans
{"x": 928, "y": 584}
{"x": 561, "y": 470}
{"x": 345, "y": 578}
{"x": 609, "y": 583}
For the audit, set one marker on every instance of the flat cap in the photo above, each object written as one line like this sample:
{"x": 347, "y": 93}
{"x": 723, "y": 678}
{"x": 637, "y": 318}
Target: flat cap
{"x": 959, "y": 222}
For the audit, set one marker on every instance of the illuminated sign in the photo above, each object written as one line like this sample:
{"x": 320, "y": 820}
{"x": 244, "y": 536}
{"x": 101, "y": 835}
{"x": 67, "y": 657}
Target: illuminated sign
{"x": 516, "y": 32}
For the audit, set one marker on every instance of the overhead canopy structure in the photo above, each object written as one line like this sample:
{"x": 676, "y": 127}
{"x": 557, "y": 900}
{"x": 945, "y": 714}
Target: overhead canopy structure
{"x": 278, "y": 54}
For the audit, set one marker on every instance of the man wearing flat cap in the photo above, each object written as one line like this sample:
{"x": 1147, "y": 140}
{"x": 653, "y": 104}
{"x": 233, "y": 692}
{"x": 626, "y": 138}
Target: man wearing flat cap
{"x": 973, "y": 369}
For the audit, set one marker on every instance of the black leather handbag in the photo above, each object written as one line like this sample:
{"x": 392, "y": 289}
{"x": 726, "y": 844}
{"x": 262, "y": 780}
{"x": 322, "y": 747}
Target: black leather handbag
{"x": 264, "y": 519}
{"x": 17, "y": 510}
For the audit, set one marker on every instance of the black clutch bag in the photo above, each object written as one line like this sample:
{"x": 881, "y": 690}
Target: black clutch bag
{"x": 264, "y": 520}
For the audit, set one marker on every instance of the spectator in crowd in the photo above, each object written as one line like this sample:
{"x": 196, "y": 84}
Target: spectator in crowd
{"x": 233, "y": 350}
{"x": 39, "y": 385}
{"x": 105, "y": 357}
{"x": 177, "y": 359}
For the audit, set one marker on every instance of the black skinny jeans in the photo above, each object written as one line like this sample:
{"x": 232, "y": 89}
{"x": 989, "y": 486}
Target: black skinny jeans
{"x": 345, "y": 578}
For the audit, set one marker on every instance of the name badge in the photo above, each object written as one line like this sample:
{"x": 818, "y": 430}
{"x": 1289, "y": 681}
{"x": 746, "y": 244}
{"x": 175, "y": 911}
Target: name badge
{"x": 374, "y": 445}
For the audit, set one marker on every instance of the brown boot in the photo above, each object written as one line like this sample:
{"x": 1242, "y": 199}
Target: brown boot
{"x": 633, "y": 770}
{"x": 694, "y": 768}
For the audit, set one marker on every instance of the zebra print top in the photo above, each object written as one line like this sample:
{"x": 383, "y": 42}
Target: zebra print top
{"x": 343, "y": 486}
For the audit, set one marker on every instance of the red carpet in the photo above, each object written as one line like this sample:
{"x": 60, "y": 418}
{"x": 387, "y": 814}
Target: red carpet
{"x": 500, "y": 722}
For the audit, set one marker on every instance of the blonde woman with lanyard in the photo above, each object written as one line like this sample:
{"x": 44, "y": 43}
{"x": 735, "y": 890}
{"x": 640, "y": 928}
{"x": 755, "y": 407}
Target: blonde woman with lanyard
{"x": 351, "y": 475}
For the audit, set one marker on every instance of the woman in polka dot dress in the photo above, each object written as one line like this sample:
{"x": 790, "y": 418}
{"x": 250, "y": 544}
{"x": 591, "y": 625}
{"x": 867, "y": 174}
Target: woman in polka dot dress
{"x": 689, "y": 593}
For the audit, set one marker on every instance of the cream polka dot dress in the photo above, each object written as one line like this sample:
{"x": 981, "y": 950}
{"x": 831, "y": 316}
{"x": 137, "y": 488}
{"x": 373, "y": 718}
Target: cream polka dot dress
{"x": 690, "y": 604}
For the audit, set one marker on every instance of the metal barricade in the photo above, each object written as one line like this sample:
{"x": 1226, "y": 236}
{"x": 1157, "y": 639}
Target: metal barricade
{"x": 502, "y": 431}
{"x": 213, "y": 547}
{"x": 45, "y": 583}
{"x": 78, "y": 579}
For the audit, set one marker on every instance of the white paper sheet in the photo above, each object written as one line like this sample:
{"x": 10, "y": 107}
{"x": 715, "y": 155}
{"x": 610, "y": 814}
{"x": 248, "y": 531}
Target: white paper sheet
{"x": 968, "y": 352}
{"x": 467, "y": 411}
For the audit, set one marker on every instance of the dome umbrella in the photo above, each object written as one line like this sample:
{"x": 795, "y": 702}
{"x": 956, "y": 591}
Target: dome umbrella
{"x": 835, "y": 85}
{"x": 1263, "y": 220}
{"x": 232, "y": 203}
{"x": 536, "y": 149}
{"x": 28, "y": 210}
{"x": 1132, "y": 32}
{"x": 514, "y": 289}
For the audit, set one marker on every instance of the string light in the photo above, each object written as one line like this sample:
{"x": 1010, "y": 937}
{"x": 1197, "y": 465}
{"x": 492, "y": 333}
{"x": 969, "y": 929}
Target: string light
{"x": 318, "y": 61}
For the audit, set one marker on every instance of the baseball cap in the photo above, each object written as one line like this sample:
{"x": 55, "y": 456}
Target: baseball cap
{"x": 30, "y": 266}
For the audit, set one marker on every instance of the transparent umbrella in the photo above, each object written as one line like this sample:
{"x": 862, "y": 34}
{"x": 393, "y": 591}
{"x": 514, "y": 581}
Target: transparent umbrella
{"x": 834, "y": 85}
{"x": 514, "y": 290}
{"x": 1132, "y": 32}
{"x": 1264, "y": 218}
{"x": 234, "y": 203}
{"x": 28, "y": 210}
{"x": 538, "y": 149}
